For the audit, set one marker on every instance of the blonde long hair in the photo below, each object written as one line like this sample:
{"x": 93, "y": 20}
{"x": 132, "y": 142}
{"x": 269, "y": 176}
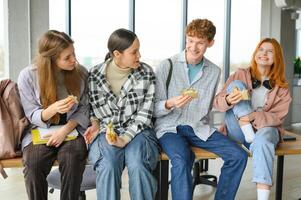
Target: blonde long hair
{"x": 277, "y": 72}
{"x": 50, "y": 46}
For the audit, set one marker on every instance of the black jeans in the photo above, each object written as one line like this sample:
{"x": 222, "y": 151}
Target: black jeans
{"x": 38, "y": 160}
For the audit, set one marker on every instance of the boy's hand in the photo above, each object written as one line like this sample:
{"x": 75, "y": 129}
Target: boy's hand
{"x": 177, "y": 101}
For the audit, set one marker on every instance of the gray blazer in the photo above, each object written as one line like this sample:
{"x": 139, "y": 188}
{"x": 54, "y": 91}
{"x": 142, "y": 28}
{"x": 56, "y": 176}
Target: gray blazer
{"x": 30, "y": 99}
{"x": 196, "y": 113}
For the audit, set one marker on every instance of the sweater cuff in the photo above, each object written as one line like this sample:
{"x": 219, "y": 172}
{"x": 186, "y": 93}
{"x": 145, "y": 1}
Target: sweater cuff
{"x": 163, "y": 109}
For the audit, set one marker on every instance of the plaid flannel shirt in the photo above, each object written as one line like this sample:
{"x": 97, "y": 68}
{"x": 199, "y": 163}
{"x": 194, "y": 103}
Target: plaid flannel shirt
{"x": 132, "y": 111}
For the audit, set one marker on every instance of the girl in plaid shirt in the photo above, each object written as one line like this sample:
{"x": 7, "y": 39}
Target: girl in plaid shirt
{"x": 122, "y": 93}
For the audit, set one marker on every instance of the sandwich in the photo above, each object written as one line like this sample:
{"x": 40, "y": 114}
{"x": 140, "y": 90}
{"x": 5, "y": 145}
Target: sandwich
{"x": 112, "y": 135}
{"x": 190, "y": 92}
{"x": 244, "y": 93}
{"x": 74, "y": 98}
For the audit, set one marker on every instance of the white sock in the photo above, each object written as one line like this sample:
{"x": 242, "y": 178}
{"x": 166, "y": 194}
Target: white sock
{"x": 248, "y": 131}
{"x": 263, "y": 194}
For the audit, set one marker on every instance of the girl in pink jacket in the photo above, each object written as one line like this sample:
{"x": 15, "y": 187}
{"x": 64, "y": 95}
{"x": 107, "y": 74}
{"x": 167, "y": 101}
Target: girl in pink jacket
{"x": 256, "y": 101}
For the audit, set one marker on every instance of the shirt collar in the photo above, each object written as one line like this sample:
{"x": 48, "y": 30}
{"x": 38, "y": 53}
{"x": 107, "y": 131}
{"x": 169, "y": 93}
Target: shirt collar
{"x": 182, "y": 58}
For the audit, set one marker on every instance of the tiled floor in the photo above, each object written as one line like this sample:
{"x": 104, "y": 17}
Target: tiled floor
{"x": 13, "y": 188}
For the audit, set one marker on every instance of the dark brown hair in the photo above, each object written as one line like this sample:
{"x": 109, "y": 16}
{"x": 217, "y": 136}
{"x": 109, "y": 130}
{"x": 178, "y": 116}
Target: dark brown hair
{"x": 120, "y": 40}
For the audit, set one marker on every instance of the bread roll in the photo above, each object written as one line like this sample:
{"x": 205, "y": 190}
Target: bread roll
{"x": 190, "y": 92}
{"x": 112, "y": 135}
{"x": 74, "y": 98}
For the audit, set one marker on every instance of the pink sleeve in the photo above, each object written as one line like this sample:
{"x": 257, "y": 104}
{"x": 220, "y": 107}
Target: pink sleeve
{"x": 275, "y": 115}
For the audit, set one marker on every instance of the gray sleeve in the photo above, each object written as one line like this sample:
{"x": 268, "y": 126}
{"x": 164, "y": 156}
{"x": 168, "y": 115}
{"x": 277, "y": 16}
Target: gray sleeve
{"x": 30, "y": 102}
{"x": 161, "y": 78}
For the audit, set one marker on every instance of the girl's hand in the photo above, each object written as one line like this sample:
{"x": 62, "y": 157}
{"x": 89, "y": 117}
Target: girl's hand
{"x": 91, "y": 133}
{"x": 119, "y": 142}
{"x": 247, "y": 119}
{"x": 62, "y": 106}
{"x": 56, "y": 138}
{"x": 178, "y": 101}
{"x": 233, "y": 98}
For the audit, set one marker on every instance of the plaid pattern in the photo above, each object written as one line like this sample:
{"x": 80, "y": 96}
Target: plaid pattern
{"x": 195, "y": 114}
{"x": 132, "y": 110}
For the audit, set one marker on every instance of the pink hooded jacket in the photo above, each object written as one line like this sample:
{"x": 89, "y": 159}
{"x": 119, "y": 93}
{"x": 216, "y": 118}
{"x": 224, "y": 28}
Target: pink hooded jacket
{"x": 275, "y": 108}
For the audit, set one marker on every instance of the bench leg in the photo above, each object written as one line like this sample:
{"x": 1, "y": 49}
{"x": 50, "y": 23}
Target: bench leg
{"x": 161, "y": 174}
{"x": 82, "y": 195}
{"x": 199, "y": 167}
{"x": 279, "y": 178}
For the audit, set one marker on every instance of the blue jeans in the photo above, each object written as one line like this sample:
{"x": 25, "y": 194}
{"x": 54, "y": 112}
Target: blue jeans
{"x": 177, "y": 147}
{"x": 240, "y": 109}
{"x": 264, "y": 144}
{"x": 140, "y": 156}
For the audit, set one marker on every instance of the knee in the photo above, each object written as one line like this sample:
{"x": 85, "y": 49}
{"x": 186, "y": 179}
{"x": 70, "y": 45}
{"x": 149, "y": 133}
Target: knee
{"x": 262, "y": 147}
{"x": 72, "y": 163}
{"x": 262, "y": 143}
{"x": 109, "y": 165}
{"x": 240, "y": 156}
{"x": 73, "y": 158}
{"x": 35, "y": 169}
{"x": 181, "y": 162}
{"x": 137, "y": 165}
{"x": 33, "y": 164}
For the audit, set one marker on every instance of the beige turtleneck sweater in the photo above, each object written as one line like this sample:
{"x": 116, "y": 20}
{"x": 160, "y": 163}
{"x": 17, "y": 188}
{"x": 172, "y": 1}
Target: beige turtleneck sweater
{"x": 116, "y": 76}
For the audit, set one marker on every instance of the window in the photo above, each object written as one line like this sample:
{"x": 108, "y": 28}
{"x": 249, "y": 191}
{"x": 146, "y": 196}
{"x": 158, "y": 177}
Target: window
{"x": 158, "y": 26}
{"x": 58, "y": 15}
{"x": 3, "y": 49}
{"x": 91, "y": 25}
{"x": 208, "y": 9}
{"x": 159, "y": 31}
{"x": 245, "y": 32}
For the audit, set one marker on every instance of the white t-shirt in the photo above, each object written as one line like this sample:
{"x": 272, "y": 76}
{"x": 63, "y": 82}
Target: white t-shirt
{"x": 258, "y": 98}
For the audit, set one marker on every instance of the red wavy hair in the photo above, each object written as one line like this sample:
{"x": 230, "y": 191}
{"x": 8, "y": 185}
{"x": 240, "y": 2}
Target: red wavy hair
{"x": 277, "y": 72}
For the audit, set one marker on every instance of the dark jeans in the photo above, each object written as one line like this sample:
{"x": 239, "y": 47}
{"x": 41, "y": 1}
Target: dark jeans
{"x": 177, "y": 147}
{"x": 38, "y": 160}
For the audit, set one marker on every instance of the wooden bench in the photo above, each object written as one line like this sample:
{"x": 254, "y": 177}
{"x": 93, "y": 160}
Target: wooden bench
{"x": 13, "y": 163}
{"x": 284, "y": 148}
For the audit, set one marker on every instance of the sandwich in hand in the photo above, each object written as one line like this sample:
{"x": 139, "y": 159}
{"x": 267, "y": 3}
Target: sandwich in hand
{"x": 244, "y": 93}
{"x": 112, "y": 135}
{"x": 74, "y": 98}
{"x": 190, "y": 92}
